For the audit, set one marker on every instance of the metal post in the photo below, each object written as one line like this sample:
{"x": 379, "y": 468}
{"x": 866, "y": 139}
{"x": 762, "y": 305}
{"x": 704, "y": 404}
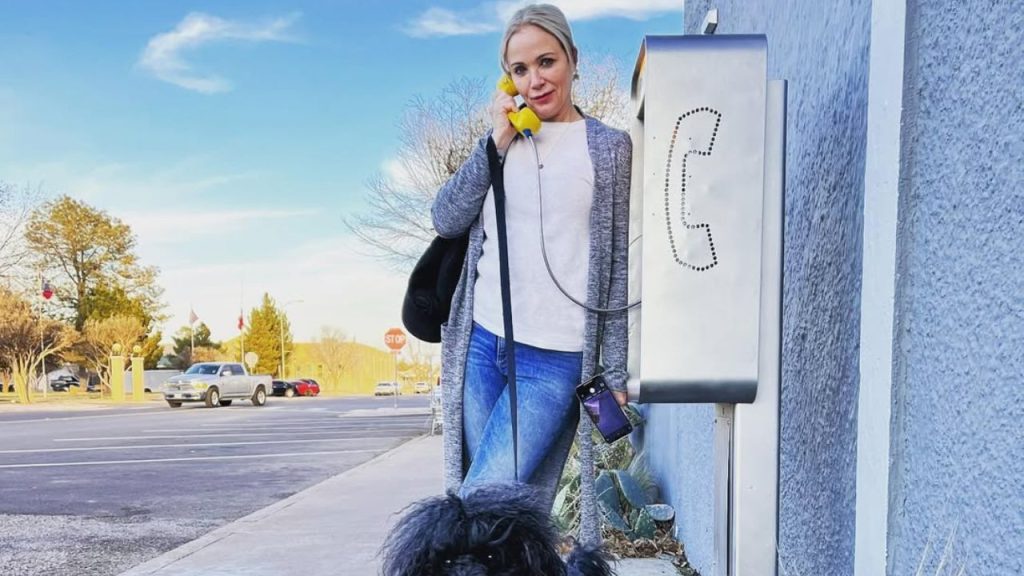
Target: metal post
{"x": 42, "y": 354}
{"x": 722, "y": 506}
{"x": 398, "y": 386}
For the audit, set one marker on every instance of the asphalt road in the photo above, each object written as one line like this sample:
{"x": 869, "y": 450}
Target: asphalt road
{"x": 97, "y": 492}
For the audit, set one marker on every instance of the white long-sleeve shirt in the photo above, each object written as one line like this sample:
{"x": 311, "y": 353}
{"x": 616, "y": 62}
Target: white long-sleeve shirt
{"x": 542, "y": 316}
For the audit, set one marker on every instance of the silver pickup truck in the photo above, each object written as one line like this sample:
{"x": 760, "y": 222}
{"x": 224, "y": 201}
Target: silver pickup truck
{"x": 216, "y": 384}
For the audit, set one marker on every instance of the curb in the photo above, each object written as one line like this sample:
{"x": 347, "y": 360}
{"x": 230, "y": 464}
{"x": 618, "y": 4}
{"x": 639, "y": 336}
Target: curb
{"x": 645, "y": 567}
{"x": 171, "y": 556}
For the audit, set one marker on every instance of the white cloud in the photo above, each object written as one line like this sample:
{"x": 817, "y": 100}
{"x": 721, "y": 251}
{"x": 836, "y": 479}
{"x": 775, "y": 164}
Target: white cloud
{"x": 108, "y": 184}
{"x": 491, "y": 16}
{"x": 443, "y": 22}
{"x": 163, "y": 226}
{"x": 337, "y": 286}
{"x": 163, "y": 56}
{"x": 594, "y": 9}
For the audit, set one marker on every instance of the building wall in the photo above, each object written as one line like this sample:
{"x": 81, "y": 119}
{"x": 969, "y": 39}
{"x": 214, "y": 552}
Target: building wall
{"x": 679, "y": 449}
{"x": 822, "y": 50}
{"x": 958, "y": 381}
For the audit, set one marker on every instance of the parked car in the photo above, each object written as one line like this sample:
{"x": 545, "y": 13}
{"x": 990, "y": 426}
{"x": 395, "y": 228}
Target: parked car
{"x": 386, "y": 389}
{"x": 64, "y": 382}
{"x": 307, "y": 387}
{"x": 283, "y": 388}
{"x": 421, "y": 388}
{"x": 216, "y": 384}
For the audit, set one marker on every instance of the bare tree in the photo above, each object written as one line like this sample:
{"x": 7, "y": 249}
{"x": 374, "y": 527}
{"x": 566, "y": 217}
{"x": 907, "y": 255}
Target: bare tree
{"x": 423, "y": 361}
{"x": 335, "y": 352}
{"x": 16, "y": 205}
{"x": 599, "y": 94}
{"x": 436, "y": 136}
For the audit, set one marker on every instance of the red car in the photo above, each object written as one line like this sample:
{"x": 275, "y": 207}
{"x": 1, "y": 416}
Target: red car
{"x": 306, "y": 387}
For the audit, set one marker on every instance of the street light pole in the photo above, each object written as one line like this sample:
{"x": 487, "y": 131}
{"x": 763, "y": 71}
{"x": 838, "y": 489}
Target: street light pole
{"x": 281, "y": 323}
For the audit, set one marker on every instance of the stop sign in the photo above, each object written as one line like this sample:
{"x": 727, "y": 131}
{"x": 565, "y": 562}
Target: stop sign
{"x": 394, "y": 339}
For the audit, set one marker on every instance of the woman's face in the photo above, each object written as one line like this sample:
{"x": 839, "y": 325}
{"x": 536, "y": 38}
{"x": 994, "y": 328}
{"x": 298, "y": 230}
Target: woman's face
{"x": 542, "y": 73}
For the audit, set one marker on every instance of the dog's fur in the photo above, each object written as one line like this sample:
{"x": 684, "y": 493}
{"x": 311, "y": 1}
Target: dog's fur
{"x": 496, "y": 530}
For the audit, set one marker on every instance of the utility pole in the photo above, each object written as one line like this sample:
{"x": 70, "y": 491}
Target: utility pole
{"x": 280, "y": 321}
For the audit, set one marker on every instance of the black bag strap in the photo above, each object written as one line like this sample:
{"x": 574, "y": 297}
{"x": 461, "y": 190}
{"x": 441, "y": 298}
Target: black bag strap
{"x": 498, "y": 184}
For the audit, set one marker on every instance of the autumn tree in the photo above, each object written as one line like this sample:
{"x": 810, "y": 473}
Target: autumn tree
{"x": 98, "y": 339}
{"x": 436, "y": 135}
{"x": 90, "y": 258}
{"x": 336, "y": 353}
{"x": 102, "y": 302}
{"x": 263, "y": 336}
{"x": 25, "y": 340}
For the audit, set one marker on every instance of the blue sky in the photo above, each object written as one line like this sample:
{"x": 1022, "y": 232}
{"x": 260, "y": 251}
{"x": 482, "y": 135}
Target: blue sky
{"x": 235, "y": 136}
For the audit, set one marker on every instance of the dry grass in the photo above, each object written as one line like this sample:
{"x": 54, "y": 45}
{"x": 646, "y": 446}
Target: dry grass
{"x": 662, "y": 546}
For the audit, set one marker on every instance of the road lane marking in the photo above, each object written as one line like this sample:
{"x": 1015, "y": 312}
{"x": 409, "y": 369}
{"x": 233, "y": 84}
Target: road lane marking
{"x": 297, "y": 426}
{"x": 322, "y": 421}
{"x": 148, "y": 412}
{"x": 161, "y": 410}
{"x": 161, "y": 437}
{"x": 137, "y": 446}
{"x": 186, "y": 459}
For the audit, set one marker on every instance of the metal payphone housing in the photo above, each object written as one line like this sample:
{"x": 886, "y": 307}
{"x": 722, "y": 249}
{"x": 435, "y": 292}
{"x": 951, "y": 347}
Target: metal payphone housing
{"x": 697, "y": 197}
{"x": 706, "y": 231}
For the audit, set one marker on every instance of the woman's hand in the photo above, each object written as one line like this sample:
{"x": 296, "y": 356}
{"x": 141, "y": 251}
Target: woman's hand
{"x": 620, "y": 397}
{"x": 500, "y": 106}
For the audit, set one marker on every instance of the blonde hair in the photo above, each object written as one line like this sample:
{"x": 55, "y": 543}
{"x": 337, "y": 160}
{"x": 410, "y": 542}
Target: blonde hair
{"x": 546, "y": 17}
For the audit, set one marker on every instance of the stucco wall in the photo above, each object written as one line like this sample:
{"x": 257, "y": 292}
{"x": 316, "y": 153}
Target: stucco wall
{"x": 679, "y": 440}
{"x": 822, "y": 50}
{"x": 958, "y": 387}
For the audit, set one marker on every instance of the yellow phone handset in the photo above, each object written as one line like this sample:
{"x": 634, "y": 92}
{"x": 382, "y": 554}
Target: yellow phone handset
{"x": 525, "y": 121}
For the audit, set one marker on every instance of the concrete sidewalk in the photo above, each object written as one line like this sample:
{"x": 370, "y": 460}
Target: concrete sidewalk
{"x": 332, "y": 529}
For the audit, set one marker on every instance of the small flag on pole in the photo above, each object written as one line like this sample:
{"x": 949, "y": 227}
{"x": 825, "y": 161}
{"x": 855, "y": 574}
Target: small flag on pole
{"x": 241, "y": 321}
{"x": 192, "y": 318}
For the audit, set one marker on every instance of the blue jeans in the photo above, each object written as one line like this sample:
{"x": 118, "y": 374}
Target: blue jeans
{"x": 545, "y": 386}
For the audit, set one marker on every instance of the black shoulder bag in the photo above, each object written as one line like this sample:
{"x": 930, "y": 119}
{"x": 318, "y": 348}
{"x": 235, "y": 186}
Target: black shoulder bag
{"x": 428, "y": 296}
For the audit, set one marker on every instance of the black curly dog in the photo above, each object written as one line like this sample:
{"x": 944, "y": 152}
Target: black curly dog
{"x": 496, "y": 530}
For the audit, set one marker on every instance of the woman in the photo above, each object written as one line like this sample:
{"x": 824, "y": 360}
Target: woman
{"x": 584, "y": 173}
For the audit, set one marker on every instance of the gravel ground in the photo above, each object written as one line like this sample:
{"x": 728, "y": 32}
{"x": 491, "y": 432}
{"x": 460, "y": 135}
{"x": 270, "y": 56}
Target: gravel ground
{"x": 75, "y": 545}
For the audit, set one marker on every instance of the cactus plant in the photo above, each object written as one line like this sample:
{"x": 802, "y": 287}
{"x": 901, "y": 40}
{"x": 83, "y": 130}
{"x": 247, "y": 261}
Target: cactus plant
{"x": 625, "y": 490}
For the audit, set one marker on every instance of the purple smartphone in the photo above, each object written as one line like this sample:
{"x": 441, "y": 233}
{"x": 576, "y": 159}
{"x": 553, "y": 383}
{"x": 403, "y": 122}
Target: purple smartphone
{"x": 603, "y": 410}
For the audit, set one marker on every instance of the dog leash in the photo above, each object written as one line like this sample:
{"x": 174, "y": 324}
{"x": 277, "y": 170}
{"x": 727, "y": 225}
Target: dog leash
{"x": 498, "y": 183}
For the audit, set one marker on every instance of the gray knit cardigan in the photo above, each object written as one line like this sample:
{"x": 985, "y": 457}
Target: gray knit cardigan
{"x": 457, "y": 208}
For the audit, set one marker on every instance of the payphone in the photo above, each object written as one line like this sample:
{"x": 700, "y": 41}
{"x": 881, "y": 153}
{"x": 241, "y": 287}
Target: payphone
{"x": 706, "y": 261}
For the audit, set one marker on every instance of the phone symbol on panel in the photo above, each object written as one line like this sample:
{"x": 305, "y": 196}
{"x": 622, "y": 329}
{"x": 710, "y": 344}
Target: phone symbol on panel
{"x": 691, "y": 240}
